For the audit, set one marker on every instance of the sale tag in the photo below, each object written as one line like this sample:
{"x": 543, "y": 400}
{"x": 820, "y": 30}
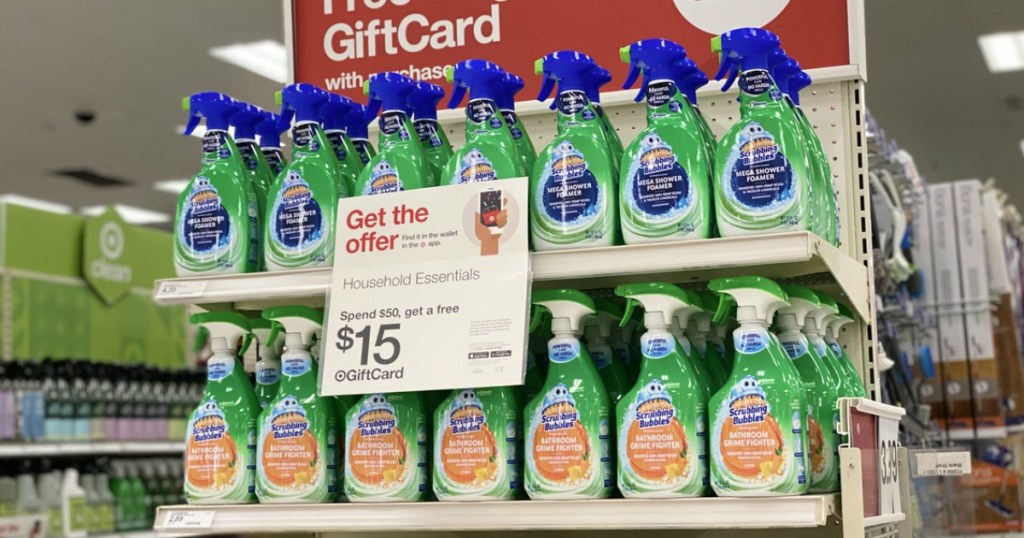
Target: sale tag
{"x": 170, "y": 289}
{"x": 942, "y": 463}
{"x": 189, "y": 519}
{"x": 873, "y": 428}
{"x": 429, "y": 290}
{"x": 888, "y": 467}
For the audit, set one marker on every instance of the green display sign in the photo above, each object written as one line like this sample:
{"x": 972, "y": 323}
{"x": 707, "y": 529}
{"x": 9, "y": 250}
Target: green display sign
{"x": 106, "y": 256}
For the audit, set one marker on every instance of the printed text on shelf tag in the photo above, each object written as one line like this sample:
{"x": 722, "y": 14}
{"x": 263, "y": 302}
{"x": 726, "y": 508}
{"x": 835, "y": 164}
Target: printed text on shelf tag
{"x": 189, "y": 519}
{"x": 180, "y": 290}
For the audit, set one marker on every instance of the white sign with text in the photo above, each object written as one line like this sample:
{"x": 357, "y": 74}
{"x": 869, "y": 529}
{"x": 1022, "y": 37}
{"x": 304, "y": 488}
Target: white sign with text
{"x": 429, "y": 290}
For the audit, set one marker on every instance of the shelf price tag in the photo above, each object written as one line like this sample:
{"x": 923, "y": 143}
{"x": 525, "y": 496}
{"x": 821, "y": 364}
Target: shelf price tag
{"x": 177, "y": 289}
{"x": 942, "y": 463}
{"x": 189, "y": 519}
{"x": 429, "y": 290}
{"x": 873, "y": 428}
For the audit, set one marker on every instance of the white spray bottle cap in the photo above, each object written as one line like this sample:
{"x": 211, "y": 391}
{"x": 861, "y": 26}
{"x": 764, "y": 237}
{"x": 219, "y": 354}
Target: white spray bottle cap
{"x": 299, "y": 323}
{"x": 757, "y": 298}
{"x": 225, "y": 329}
{"x": 608, "y": 316}
{"x": 568, "y": 309}
{"x": 818, "y": 318}
{"x": 266, "y": 333}
{"x": 662, "y": 303}
{"x": 803, "y": 304}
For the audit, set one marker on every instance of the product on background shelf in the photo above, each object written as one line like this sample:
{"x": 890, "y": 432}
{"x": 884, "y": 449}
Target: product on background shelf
{"x": 536, "y": 354}
{"x": 423, "y": 101}
{"x": 661, "y": 422}
{"x": 720, "y": 337}
{"x": 244, "y": 120}
{"x": 400, "y": 164}
{"x": 839, "y": 316}
{"x": 73, "y": 505}
{"x": 490, "y": 151}
{"x": 619, "y": 341}
{"x": 8, "y": 491}
{"x": 387, "y": 448}
{"x": 698, "y": 331}
{"x": 689, "y": 78}
{"x": 269, "y": 130}
{"x": 597, "y": 329}
{"x": 506, "y": 99}
{"x": 820, "y": 382}
{"x": 759, "y": 418}
{"x": 269, "y": 344}
{"x": 333, "y": 115}
{"x": 762, "y": 180}
{"x": 573, "y": 404}
{"x": 303, "y": 200}
{"x": 692, "y": 306}
{"x": 297, "y": 440}
{"x": 356, "y": 127}
{"x": 28, "y": 496}
{"x": 665, "y": 180}
{"x": 48, "y": 484}
{"x": 220, "y": 448}
{"x": 572, "y": 186}
{"x": 597, "y": 78}
{"x": 216, "y": 225}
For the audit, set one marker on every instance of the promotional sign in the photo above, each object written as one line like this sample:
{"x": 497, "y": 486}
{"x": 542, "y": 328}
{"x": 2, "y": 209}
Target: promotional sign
{"x": 337, "y": 44}
{"x": 105, "y": 262}
{"x": 23, "y": 527}
{"x": 873, "y": 428}
{"x": 429, "y": 290}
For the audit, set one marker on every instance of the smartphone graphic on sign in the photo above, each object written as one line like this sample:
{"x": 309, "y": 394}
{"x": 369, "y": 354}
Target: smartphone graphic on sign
{"x": 490, "y": 206}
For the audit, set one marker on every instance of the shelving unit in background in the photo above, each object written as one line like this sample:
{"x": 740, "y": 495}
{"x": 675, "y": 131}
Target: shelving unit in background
{"x": 101, "y": 448}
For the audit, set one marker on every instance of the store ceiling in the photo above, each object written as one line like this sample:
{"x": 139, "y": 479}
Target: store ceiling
{"x": 129, "y": 64}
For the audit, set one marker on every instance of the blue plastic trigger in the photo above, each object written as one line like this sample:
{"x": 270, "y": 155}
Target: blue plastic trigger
{"x": 458, "y": 92}
{"x": 634, "y": 73}
{"x": 546, "y": 88}
{"x": 193, "y": 122}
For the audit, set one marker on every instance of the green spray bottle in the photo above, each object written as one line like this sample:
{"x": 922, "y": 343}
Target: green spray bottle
{"x": 690, "y": 78}
{"x": 477, "y": 443}
{"x": 572, "y": 188}
{"x": 540, "y": 333}
{"x": 597, "y": 330}
{"x": 762, "y": 177}
{"x": 664, "y": 184}
{"x": 490, "y": 151}
{"x": 506, "y": 99}
{"x": 356, "y": 127}
{"x": 568, "y": 429}
{"x": 401, "y": 164}
{"x": 333, "y": 116}
{"x": 680, "y": 321}
{"x": 220, "y": 449}
{"x": 387, "y": 448}
{"x": 662, "y": 421}
{"x": 217, "y": 221}
{"x": 844, "y": 366}
{"x": 698, "y": 330}
{"x": 820, "y": 383}
{"x": 297, "y": 447}
{"x": 597, "y": 78}
{"x": 423, "y": 102}
{"x": 244, "y": 120}
{"x": 303, "y": 200}
{"x": 269, "y": 131}
{"x": 758, "y": 431}
{"x": 622, "y": 350}
{"x": 268, "y": 362}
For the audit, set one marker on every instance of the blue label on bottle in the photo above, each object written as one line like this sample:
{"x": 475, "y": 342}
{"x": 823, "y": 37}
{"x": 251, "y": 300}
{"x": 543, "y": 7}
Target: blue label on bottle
{"x": 275, "y": 160}
{"x": 247, "y": 152}
{"x": 660, "y": 93}
{"x": 218, "y": 368}
{"x": 427, "y": 131}
{"x": 601, "y": 359}
{"x": 657, "y": 346}
{"x": 563, "y": 351}
{"x": 394, "y": 122}
{"x": 572, "y": 101}
{"x": 837, "y": 350}
{"x": 659, "y": 187}
{"x": 293, "y": 365}
{"x": 513, "y": 123}
{"x": 337, "y": 139}
{"x": 383, "y": 179}
{"x": 794, "y": 348}
{"x": 296, "y": 223}
{"x": 755, "y": 81}
{"x": 760, "y": 177}
{"x": 267, "y": 375}
{"x": 302, "y": 135}
{"x": 750, "y": 341}
{"x": 363, "y": 149}
{"x": 571, "y": 191}
{"x": 480, "y": 110}
{"x": 474, "y": 167}
{"x": 204, "y": 225}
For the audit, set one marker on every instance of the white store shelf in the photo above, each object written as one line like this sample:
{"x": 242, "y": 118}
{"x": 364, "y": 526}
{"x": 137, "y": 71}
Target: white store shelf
{"x": 698, "y": 513}
{"x": 791, "y": 254}
{"x": 17, "y": 450}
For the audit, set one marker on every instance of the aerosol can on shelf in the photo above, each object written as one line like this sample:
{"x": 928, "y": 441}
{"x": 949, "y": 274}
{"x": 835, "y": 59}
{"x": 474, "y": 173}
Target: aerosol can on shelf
{"x": 387, "y": 448}
{"x": 423, "y": 101}
{"x": 400, "y": 164}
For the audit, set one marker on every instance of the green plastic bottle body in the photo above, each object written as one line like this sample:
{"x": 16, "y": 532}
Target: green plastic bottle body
{"x": 824, "y": 190}
{"x": 436, "y": 148}
{"x": 569, "y": 428}
{"x": 533, "y": 381}
{"x": 613, "y": 374}
{"x": 387, "y": 448}
{"x": 297, "y": 445}
{"x": 220, "y": 446}
{"x": 349, "y": 162}
{"x": 711, "y": 358}
{"x": 303, "y": 203}
{"x": 275, "y": 162}
{"x": 124, "y": 504}
{"x": 400, "y": 164}
{"x": 853, "y": 386}
{"x": 662, "y": 425}
{"x": 758, "y": 426}
{"x": 261, "y": 177}
{"x": 762, "y": 180}
{"x": 478, "y": 445}
{"x": 490, "y": 151}
{"x": 572, "y": 187}
{"x": 665, "y": 177}
{"x": 822, "y": 411}
{"x": 691, "y": 356}
{"x": 217, "y": 221}
{"x": 365, "y": 150}
{"x": 615, "y": 146}
{"x": 268, "y": 379}
{"x": 524, "y": 146}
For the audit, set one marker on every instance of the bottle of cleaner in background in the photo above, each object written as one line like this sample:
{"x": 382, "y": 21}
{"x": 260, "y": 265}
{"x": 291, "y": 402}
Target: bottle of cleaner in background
{"x": 621, "y": 349}
{"x": 303, "y": 200}
{"x": 333, "y": 116}
{"x": 28, "y": 502}
{"x": 400, "y": 164}
{"x": 536, "y": 354}
{"x": 74, "y": 507}
{"x": 758, "y": 432}
{"x": 668, "y": 403}
{"x": 572, "y": 188}
{"x": 387, "y": 448}
{"x": 356, "y": 127}
{"x": 217, "y": 220}
{"x": 268, "y": 363}
{"x": 597, "y": 330}
{"x": 297, "y": 441}
{"x": 597, "y": 78}
{"x": 665, "y": 181}
{"x": 48, "y": 481}
{"x": 690, "y": 78}
{"x": 762, "y": 177}
{"x": 244, "y": 120}
{"x": 8, "y": 492}
{"x": 574, "y": 405}
{"x": 844, "y": 366}
{"x": 692, "y": 306}
{"x": 506, "y": 98}
{"x": 698, "y": 330}
{"x": 220, "y": 447}
{"x": 269, "y": 131}
{"x": 490, "y": 151}
{"x": 423, "y": 101}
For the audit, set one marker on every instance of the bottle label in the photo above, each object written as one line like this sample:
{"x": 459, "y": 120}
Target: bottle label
{"x": 601, "y": 359}
{"x": 572, "y": 101}
{"x": 750, "y": 341}
{"x": 427, "y": 131}
{"x": 218, "y": 368}
{"x": 837, "y": 350}
{"x": 757, "y": 82}
{"x": 296, "y": 364}
{"x": 821, "y": 348}
{"x": 78, "y": 516}
{"x": 216, "y": 142}
{"x": 275, "y": 160}
{"x": 267, "y": 375}
{"x": 484, "y": 113}
{"x": 247, "y": 152}
{"x": 512, "y": 120}
{"x": 363, "y": 149}
{"x": 383, "y": 179}
{"x": 795, "y": 346}
{"x": 385, "y": 450}
{"x": 291, "y": 463}
{"x": 657, "y": 345}
{"x": 204, "y": 225}
{"x": 658, "y": 188}
{"x": 475, "y": 167}
{"x": 749, "y": 441}
{"x": 303, "y": 136}
{"x": 337, "y": 139}
{"x": 758, "y": 175}
{"x": 392, "y": 123}
{"x": 569, "y": 193}
{"x": 559, "y": 444}
{"x": 296, "y": 223}
{"x": 213, "y": 464}
{"x": 660, "y": 93}
{"x": 470, "y": 459}
{"x": 563, "y": 351}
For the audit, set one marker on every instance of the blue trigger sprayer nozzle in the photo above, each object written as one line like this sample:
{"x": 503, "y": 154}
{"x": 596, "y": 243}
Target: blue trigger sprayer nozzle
{"x": 743, "y": 49}
{"x": 388, "y": 91}
{"x": 597, "y": 77}
{"x": 303, "y": 102}
{"x": 798, "y": 82}
{"x": 654, "y": 59}
{"x": 215, "y": 107}
{"x": 565, "y": 69}
{"x": 357, "y": 121}
{"x": 424, "y": 99}
{"x": 483, "y": 80}
{"x": 507, "y": 89}
{"x": 269, "y": 130}
{"x": 245, "y": 119}
{"x": 334, "y": 111}
{"x": 690, "y": 79}
{"x": 782, "y": 73}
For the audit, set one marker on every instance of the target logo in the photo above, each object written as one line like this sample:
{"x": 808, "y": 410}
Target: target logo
{"x": 717, "y": 16}
{"x": 111, "y": 240}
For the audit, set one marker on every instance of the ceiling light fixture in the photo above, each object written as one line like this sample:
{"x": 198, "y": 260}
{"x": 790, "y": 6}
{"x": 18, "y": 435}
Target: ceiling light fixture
{"x": 266, "y": 58}
{"x": 34, "y": 203}
{"x": 1003, "y": 51}
{"x": 130, "y": 214}
{"x": 173, "y": 186}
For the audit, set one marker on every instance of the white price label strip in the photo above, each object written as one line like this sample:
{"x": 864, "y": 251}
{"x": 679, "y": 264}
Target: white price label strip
{"x": 943, "y": 463}
{"x": 180, "y": 290}
{"x": 189, "y": 519}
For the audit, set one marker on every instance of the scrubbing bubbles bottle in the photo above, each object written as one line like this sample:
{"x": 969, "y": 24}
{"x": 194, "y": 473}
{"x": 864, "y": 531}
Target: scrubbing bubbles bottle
{"x": 423, "y": 102}
{"x": 400, "y": 164}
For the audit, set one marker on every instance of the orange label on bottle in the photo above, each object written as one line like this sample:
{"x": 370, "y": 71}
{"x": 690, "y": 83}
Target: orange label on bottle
{"x": 211, "y": 459}
{"x": 561, "y": 446}
{"x": 291, "y": 453}
{"x": 656, "y": 442}
{"x": 377, "y": 450}
{"x": 751, "y": 441}
{"x": 816, "y": 442}
{"x": 468, "y": 450}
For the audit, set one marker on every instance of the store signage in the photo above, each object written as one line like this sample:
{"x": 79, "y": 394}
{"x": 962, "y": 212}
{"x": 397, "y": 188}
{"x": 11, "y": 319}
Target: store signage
{"x": 873, "y": 428}
{"x": 23, "y": 527}
{"x": 337, "y": 44}
{"x": 429, "y": 290}
{"x": 106, "y": 261}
